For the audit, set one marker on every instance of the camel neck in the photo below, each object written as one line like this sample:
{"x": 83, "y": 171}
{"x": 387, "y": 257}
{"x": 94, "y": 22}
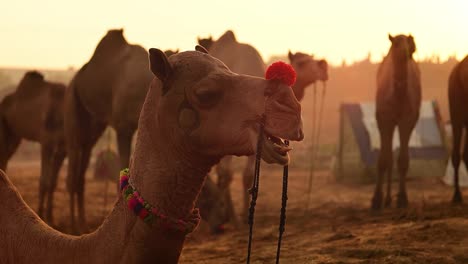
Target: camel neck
{"x": 400, "y": 77}
{"x": 299, "y": 89}
{"x": 169, "y": 179}
{"x": 166, "y": 174}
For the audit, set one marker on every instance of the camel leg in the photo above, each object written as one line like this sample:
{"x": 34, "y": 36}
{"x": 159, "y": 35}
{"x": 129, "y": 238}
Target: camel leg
{"x": 224, "y": 171}
{"x": 73, "y": 171}
{"x": 81, "y": 133}
{"x": 465, "y": 160}
{"x": 384, "y": 163}
{"x": 456, "y": 157}
{"x": 75, "y": 178}
{"x": 124, "y": 142}
{"x": 44, "y": 178}
{"x": 57, "y": 160}
{"x": 8, "y": 144}
{"x": 79, "y": 188}
{"x": 247, "y": 178}
{"x": 403, "y": 164}
{"x": 78, "y": 163}
{"x": 388, "y": 197}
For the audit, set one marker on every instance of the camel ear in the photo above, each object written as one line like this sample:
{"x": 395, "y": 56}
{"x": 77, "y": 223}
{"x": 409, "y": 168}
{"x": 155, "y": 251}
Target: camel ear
{"x": 390, "y": 37}
{"x": 290, "y": 56}
{"x": 322, "y": 64}
{"x": 160, "y": 66}
{"x": 200, "y": 48}
{"x": 411, "y": 44}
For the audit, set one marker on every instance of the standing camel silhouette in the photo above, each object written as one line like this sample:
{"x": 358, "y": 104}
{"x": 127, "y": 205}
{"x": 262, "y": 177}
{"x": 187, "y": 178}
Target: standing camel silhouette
{"x": 34, "y": 111}
{"x": 458, "y": 98}
{"x": 397, "y": 106}
{"x": 107, "y": 90}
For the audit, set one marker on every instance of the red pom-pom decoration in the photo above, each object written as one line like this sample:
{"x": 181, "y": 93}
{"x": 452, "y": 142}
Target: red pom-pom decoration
{"x": 282, "y": 72}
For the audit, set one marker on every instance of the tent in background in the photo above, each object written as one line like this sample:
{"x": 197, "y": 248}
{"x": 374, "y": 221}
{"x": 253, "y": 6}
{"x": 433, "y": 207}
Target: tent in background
{"x": 359, "y": 143}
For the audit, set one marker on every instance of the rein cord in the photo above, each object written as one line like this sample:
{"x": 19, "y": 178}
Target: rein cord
{"x": 253, "y": 191}
{"x": 284, "y": 201}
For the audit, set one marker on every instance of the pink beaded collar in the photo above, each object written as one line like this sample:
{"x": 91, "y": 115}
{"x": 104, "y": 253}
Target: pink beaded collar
{"x": 149, "y": 214}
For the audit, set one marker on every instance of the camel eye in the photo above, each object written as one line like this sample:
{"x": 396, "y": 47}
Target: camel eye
{"x": 301, "y": 64}
{"x": 207, "y": 97}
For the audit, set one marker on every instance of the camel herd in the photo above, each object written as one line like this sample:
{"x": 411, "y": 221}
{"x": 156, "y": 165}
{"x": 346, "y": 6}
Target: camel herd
{"x": 178, "y": 142}
{"x": 109, "y": 90}
{"x": 176, "y": 101}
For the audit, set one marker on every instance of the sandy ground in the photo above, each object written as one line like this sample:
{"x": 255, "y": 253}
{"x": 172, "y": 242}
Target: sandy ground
{"x": 338, "y": 227}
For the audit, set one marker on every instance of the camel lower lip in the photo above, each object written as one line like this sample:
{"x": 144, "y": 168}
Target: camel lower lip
{"x": 275, "y": 150}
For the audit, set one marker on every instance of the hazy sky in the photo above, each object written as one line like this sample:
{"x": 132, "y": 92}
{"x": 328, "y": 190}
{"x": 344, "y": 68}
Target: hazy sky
{"x": 62, "y": 33}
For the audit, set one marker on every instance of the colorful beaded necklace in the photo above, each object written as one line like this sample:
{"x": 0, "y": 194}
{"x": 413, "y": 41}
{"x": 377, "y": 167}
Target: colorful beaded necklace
{"x": 148, "y": 213}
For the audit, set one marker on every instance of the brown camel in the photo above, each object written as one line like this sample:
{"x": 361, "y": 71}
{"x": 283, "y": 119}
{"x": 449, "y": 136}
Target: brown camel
{"x": 192, "y": 92}
{"x": 206, "y": 42}
{"x": 243, "y": 59}
{"x": 458, "y": 97}
{"x": 211, "y": 201}
{"x": 108, "y": 90}
{"x": 397, "y": 105}
{"x": 308, "y": 70}
{"x": 34, "y": 111}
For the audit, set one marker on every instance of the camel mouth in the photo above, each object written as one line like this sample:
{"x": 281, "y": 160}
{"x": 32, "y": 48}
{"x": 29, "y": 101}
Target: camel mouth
{"x": 275, "y": 150}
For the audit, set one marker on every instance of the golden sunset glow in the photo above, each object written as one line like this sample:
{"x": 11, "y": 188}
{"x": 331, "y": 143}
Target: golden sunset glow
{"x": 58, "y": 34}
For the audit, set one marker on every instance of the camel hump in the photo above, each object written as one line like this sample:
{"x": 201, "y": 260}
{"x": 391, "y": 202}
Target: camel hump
{"x": 112, "y": 41}
{"x": 228, "y": 36}
{"x": 33, "y": 75}
{"x": 31, "y": 84}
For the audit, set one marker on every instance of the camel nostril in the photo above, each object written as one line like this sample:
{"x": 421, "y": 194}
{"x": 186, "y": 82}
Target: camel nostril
{"x": 300, "y": 135}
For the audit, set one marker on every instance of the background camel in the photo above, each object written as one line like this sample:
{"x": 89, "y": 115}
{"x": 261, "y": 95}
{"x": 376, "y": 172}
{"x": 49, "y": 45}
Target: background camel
{"x": 308, "y": 70}
{"x": 170, "y": 162}
{"x": 243, "y": 58}
{"x": 397, "y": 106}
{"x": 34, "y": 111}
{"x": 205, "y": 42}
{"x": 458, "y": 99}
{"x": 108, "y": 90}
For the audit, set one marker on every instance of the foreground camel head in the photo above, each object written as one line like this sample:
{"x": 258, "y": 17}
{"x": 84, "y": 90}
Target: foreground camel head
{"x": 403, "y": 47}
{"x": 308, "y": 69}
{"x": 205, "y": 42}
{"x": 212, "y": 112}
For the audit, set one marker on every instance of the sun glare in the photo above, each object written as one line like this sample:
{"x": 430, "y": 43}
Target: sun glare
{"x": 58, "y": 34}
